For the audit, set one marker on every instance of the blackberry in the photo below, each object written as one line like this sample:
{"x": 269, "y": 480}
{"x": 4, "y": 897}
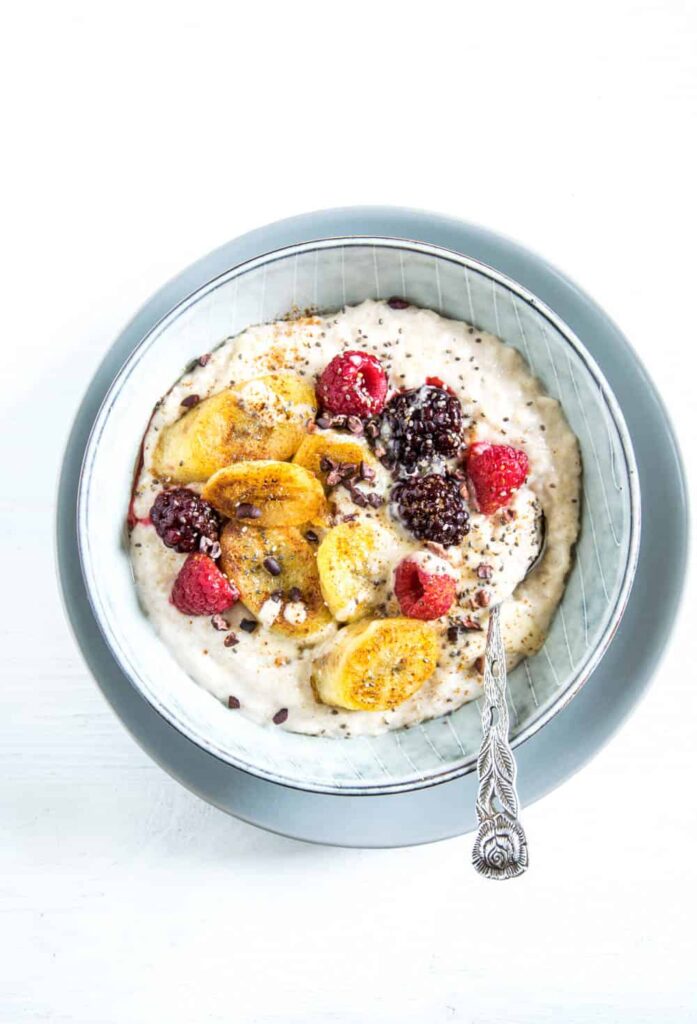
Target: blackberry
{"x": 421, "y": 424}
{"x": 182, "y": 518}
{"x": 432, "y": 508}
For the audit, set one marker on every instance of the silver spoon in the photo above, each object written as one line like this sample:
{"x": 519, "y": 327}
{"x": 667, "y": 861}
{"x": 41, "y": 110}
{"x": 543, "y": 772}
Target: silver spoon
{"x": 500, "y": 848}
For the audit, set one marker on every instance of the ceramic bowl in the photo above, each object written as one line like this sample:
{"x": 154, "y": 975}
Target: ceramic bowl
{"x": 326, "y": 275}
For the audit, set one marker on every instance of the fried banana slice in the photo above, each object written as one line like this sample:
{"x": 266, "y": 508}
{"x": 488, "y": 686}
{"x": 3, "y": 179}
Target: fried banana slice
{"x": 351, "y": 566}
{"x": 376, "y": 665}
{"x": 333, "y": 450}
{"x": 263, "y": 418}
{"x": 267, "y": 493}
{"x": 279, "y": 562}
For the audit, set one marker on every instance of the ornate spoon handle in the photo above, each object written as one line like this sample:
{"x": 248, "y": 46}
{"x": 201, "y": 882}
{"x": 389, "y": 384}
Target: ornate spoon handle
{"x": 500, "y": 849}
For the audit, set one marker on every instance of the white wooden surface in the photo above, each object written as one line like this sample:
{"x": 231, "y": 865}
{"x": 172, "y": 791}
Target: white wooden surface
{"x": 139, "y": 136}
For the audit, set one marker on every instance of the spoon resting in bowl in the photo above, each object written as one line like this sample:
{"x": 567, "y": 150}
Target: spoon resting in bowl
{"x": 501, "y": 847}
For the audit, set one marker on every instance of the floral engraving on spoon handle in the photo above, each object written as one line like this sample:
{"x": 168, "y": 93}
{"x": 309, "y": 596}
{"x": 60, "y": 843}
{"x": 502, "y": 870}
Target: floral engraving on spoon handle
{"x": 500, "y": 848}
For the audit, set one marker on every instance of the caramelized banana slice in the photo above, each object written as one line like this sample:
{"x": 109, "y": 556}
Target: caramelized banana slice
{"x": 267, "y": 494}
{"x": 337, "y": 449}
{"x": 265, "y": 562}
{"x": 264, "y": 418}
{"x": 351, "y": 563}
{"x": 376, "y": 665}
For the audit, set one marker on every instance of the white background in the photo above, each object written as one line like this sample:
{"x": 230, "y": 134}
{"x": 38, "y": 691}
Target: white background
{"x": 140, "y": 136}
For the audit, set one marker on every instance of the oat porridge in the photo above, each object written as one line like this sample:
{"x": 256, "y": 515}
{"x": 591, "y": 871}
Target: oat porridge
{"x": 327, "y": 506}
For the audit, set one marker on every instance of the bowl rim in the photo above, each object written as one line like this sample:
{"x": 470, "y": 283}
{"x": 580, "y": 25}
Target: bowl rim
{"x": 548, "y": 710}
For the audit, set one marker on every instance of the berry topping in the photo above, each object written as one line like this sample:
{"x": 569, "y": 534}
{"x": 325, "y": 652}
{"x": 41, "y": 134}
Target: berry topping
{"x": 422, "y": 595}
{"x": 433, "y": 508}
{"x": 495, "y": 472}
{"x": 354, "y": 384}
{"x": 420, "y": 425}
{"x": 182, "y": 518}
{"x": 201, "y": 588}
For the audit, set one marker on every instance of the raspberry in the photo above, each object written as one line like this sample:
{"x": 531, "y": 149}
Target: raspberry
{"x": 354, "y": 384}
{"x": 495, "y": 472}
{"x": 420, "y": 425}
{"x": 422, "y": 595}
{"x": 201, "y": 588}
{"x": 432, "y": 508}
{"x": 181, "y": 518}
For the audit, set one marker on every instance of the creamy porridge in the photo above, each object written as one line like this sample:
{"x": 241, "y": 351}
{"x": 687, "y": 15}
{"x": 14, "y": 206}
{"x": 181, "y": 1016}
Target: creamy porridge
{"x": 351, "y": 556}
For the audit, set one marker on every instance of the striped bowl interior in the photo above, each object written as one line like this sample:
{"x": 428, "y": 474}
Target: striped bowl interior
{"x": 327, "y": 275}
